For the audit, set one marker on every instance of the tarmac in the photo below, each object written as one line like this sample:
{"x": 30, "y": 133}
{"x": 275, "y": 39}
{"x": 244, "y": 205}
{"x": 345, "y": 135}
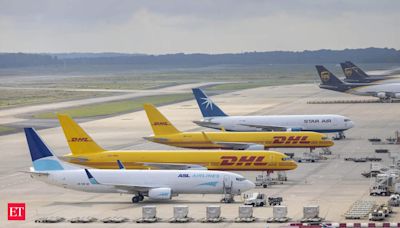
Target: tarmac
{"x": 333, "y": 184}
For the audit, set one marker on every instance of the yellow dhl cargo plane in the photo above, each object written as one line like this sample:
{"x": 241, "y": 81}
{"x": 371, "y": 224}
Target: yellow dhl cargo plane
{"x": 85, "y": 151}
{"x": 166, "y": 133}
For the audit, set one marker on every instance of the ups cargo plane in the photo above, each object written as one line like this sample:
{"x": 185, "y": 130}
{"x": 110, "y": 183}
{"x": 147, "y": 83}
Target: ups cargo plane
{"x": 385, "y": 92}
{"x": 85, "y": 151}
{"x": 354, "y": 74}
{"x": 166, "y": 133}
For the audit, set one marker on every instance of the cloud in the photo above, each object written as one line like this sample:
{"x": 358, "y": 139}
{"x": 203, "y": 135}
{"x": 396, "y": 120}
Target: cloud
{"x": 196, "y": 26}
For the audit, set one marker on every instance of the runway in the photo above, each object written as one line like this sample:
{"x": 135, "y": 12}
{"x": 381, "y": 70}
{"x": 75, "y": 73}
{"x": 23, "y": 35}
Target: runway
{"x": 333, "y": 184}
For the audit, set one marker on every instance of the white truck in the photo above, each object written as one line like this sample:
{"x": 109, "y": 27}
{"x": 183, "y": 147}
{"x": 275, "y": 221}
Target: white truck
{"x": 255, "y": 199}
{"x": 394, "y": 200}
{"x": 376, "y": 216}
{"x": 309, "y": 157}
{"x": 380, "y": 213}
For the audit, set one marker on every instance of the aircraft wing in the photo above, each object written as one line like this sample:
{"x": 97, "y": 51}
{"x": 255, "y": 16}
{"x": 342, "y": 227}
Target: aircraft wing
{"x": 241, "y": 146}
{"x": 74, "y": 159}
{"x": 267, "y": 127}
{"x": 235, "y": 145}
{"x": 130, "y": 188}
{"x": 174, "y": 166}
{"x": 123, "y": 188}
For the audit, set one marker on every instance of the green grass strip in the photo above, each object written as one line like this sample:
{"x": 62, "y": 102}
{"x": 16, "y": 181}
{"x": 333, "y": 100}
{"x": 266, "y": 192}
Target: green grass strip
{"x": 115, "y": 107}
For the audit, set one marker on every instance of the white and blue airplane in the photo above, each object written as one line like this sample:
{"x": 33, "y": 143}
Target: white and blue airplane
{"x": 214, "y": 117}
{"x": 155, "y": 184}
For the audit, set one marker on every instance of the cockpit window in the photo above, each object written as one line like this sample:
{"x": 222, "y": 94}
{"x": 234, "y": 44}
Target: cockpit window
{"x": 347, "y": 120}
{"x": 324, "y": 138}
{"x": 286, "y": 159}
{"x": 240, "y": 178}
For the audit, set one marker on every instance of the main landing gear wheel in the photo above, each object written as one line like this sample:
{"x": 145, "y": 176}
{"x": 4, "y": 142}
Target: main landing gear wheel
{"x": 137, "y": 199}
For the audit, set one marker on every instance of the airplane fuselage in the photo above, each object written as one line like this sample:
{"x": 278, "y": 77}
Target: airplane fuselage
{"x": 316, "y": 123}
{"x": 228, "y": 140}
{"x": 378, "y": 90}
{"x": 180, "y": 182}
{"x": 211, "y": 159}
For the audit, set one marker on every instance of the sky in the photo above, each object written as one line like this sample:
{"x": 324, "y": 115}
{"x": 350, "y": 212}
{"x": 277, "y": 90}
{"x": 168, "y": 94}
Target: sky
{"x": 196, "y": 26}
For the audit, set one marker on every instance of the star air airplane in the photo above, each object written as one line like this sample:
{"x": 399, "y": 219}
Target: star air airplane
{"x": 385, "y": 92}
{"x": 214, "y": 117}
{"x": 155, "y": 184}
{"x": 166, "y": 133}
{"x": 85, "y": 151}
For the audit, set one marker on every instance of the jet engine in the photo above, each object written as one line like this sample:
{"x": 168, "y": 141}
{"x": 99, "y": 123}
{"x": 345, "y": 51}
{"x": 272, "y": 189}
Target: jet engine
{"x": 397, "y": 95}
{"x": 381, "y": 95}
{"x": 160, "y": 193}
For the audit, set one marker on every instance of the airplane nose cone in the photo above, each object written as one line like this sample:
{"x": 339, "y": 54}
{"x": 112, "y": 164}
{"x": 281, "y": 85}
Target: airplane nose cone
{"x": 294, "y": 165}
{"x": 250, "y": 185}
{"x": 351, "y": 124}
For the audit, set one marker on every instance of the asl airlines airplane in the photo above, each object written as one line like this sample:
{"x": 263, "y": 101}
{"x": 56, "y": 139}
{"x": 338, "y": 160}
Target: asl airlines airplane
{"x": 385, "y": 92}
{"x": 214, "y": 117}
{"x": 355, "y": 75}
{"x": 155, "y": 184}
{"x": 86, "y": 152}
{"x": 166, "y": 133}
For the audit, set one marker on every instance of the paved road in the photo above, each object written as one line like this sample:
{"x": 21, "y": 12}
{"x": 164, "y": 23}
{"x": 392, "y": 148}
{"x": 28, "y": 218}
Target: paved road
{"x": 8, "y": 116}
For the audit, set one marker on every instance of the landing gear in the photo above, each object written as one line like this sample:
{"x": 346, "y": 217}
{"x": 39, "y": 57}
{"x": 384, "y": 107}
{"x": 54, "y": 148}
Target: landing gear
{"x": 386, "y": 100}
{"x": 141, "y": 198}
{"x": 340, "y": 135}
{"x": 137, "y": 198}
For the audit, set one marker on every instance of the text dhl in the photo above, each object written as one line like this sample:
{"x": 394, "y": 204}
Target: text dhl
{"x": 243, "y": 160}
{"x": 79, "y": 139}
{"x": 291, "y": 140}
{"x": 160, "y": 123}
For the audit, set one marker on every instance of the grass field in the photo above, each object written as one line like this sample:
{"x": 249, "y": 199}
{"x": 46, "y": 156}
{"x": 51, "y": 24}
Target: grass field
{"x": 116, "y": 107}
{"x": 4, "y": 129}
{"x": 19, "y": 97}
{"x": 48, "y": 82}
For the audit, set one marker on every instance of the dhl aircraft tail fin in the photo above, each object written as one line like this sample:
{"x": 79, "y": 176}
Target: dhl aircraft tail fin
{"x": 159, "y": 124}
{"x": 78, "y": 140}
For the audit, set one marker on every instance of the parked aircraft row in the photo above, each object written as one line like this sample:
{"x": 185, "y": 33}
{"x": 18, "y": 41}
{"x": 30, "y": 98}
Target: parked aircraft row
{"x": 358, "y": 83}
{"x": 163, "y": 174}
